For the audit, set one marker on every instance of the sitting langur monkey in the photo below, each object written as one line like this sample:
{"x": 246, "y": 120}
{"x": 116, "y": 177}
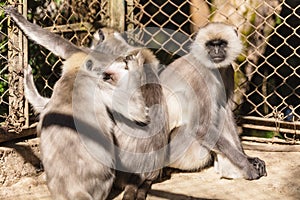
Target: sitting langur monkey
{"x": 140, "y": 151}
{"x": 198, "y": 89}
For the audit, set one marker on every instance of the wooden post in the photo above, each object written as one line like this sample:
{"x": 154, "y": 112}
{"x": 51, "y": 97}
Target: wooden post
{"x": 17, "y": 57}
{"x": 199, "y": 14}
{"x": 117, "y": 14}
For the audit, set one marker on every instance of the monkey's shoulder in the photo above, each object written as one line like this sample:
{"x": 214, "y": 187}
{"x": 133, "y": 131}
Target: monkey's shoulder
{"x": 73, "y": 64}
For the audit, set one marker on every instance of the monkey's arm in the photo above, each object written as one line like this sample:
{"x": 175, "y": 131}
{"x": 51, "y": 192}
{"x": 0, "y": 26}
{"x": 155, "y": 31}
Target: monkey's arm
{"x": 32, "y": 95}
{"x": 56, "y": 44}
{"x": 227, "y": 75}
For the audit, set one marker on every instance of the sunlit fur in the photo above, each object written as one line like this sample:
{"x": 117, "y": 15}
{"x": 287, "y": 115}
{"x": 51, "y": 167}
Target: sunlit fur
{"x": 141, "y": 69}
{"x": 37, "y": 101}
{"x": 200, "y": 111}
{"x": 214, "y": 31}
{"x": 55, "y": 43}
{"x": 68, "y": 125}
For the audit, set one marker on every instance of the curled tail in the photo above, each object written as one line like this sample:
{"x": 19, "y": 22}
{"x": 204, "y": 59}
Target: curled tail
{"x": 32, "y": 95}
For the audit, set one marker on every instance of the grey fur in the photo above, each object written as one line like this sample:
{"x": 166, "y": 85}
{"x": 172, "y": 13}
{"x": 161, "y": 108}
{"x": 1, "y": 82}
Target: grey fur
{"x": 142, "y": 147}
{"x": 58, "y": 45}
{"x": 77, "y": 151}
{"x": 35, "y": 99}
{"x": 200, "y": 111}
{"x": 145, "y": 168}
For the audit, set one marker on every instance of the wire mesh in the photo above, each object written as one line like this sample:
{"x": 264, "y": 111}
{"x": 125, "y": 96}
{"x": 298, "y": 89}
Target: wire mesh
{"x": 266, "y": 73}
{"x": 74, "y": 20}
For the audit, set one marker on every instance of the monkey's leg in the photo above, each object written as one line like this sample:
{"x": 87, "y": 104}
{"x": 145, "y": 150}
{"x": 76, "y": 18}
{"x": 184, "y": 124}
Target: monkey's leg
{"x": 230, "y": 147}
{"x": 131, "y": 188}
{"x": 143, "y": 190}
{"x": 185, "y": 152}
{"x": 225, "y": 168}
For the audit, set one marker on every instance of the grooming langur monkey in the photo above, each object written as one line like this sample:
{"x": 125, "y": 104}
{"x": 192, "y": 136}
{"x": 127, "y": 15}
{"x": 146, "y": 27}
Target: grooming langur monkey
{"x": 198, "y": 88}
{"x": 140, "y": 151}
{"x": 82, "y": 166}
{"x": 142, "y": 147}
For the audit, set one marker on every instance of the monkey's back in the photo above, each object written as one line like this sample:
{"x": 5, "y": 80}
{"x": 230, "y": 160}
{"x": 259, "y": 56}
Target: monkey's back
{"x": 77, "y": 161}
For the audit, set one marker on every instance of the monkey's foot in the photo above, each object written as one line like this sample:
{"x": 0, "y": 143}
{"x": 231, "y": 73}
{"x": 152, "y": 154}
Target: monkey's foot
{"x": 259, "y": 165}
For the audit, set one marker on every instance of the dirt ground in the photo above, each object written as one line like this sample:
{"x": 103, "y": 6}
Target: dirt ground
{"x": 21, "y": 178}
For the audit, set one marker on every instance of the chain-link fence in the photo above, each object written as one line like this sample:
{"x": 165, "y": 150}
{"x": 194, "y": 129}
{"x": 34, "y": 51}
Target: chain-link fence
{"x": 267, "y": 92}
{"x": 74, "y": 20}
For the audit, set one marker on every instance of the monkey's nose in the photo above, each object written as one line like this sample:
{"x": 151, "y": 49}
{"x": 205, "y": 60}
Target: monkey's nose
{"x": 217, "y": 49}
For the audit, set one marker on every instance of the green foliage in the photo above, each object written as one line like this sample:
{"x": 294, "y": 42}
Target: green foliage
{"x": 260, "y": 133}
{"x": 3, "y": 52}
{"x": 3, "y": 83}
{"x": 278, "y": 20}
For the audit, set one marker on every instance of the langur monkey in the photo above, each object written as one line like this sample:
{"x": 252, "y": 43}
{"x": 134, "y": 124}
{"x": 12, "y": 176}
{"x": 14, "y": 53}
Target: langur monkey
{"x": 143, "y": 147}
{"x": 141, "y": 153}
{"x": 198, "y": 88}
{"x": 77, "y": 142}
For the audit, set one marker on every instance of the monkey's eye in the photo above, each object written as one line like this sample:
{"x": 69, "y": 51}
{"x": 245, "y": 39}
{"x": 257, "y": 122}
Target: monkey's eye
{"x": 214, "y": 43}
{"x": 223, "y": 45}
{"x": 89, "y": 65}
{"x": 125, "y": 60}
{"x": 128, "y": 58}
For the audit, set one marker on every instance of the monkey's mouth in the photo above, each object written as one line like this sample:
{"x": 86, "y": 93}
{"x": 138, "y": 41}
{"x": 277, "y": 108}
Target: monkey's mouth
{"x": 218, "y": 59}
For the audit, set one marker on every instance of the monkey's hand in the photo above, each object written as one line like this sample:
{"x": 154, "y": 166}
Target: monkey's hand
{"x": 140, "y": 115}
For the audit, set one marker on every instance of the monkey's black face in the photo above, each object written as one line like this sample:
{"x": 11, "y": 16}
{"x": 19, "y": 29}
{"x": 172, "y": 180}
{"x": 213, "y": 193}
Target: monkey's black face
{"x": 216, "y": 50}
